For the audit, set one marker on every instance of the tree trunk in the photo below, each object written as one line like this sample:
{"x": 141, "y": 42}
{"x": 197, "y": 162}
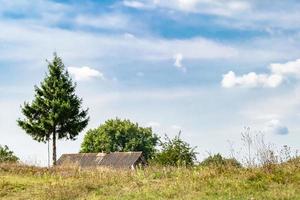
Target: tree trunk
{"x": 48, "y": 153}
{"x": 54, "y": 149}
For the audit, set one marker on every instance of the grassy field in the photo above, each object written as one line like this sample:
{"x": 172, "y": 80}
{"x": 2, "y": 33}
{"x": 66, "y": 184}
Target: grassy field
{"x": 273, "y": 182}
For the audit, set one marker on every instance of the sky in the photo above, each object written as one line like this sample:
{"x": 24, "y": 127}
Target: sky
{"x": 206, "y": 67}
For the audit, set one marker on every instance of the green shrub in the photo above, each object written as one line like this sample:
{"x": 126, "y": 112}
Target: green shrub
{"x": 175, "y": 152}
{"x": 7, "y": 155}
{"x": 218, "y": 160}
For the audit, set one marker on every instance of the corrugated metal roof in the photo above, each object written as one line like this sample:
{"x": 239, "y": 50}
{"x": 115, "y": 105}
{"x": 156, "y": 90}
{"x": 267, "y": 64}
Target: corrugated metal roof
{"x": 114, "y": 159}
{"x": 121, "y": 159}
{"x": 81, "y": 159}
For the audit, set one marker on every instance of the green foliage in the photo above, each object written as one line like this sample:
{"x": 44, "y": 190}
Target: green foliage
{"x": 7, "y": 155}
{"x": 217, "y": 160}
{"x": 175, "y": 152}
{"x": 120, "y": 135}
{"x": 55, "y": 111}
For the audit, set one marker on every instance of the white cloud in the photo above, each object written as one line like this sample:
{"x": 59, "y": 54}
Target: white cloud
{"x": 275, "y": 127}
{"x": 289, "y": 68}
{"x": 31, "y": 39}
{"x": 239, "y": 14}
{"x": 44, "y": 11}
{"x": 84, "y": 73}
{"x": 33, "y": 6}
{"x": 134, "y": 4}
{"x": 128, "y": 35}
{"x": 178, "y": 61}
{"x": 215, "y": 7}
{"x": 274, "y": 79}
{"x": 186, "y": 5}
{"x": 266, "y": 18}
{"x": 251, "y": 80}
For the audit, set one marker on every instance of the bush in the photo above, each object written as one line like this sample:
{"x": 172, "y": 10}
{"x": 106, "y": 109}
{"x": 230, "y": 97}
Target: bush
{"x": 6, "y": 155}
{"x": 120, "y": 135}
{"x": 175, "y": 152}
{"x": 217, "y": 160}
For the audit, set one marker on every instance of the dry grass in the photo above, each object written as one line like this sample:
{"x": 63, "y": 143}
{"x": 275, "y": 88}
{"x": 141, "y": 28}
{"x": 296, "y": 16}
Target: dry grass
{"x": 271, "y": 182}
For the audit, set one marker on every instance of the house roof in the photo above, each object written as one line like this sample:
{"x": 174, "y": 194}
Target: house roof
{"x": 120, "y": 159}
{"x": 114, "y": 159}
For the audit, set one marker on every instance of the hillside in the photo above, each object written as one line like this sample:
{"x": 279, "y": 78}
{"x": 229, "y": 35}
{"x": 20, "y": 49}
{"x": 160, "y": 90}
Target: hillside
{"x": 273, "y": 182}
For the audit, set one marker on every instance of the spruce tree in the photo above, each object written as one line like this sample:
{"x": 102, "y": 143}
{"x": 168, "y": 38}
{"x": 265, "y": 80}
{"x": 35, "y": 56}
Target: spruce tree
{"x": 56, "y": 112}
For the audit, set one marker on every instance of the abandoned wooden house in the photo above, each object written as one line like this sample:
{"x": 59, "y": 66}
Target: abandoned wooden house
{"x": 125, "y": 160}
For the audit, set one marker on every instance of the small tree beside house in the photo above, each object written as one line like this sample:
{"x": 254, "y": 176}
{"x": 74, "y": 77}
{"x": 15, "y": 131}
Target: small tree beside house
{"x": 56, "y": 111}
{"x": 175, "y": 152}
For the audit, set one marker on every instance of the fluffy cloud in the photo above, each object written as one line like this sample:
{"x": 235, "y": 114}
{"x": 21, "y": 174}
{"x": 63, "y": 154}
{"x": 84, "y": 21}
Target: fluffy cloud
{"x": 289, "y": 68}
{"x": 275, "y": 127}
{"x": 251, "y": 80}
{"x": 84, "y": 73}
{"x": 274, "y": 79}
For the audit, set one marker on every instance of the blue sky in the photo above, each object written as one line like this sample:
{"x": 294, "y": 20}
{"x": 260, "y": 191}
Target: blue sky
{"x": 206, "y": 67}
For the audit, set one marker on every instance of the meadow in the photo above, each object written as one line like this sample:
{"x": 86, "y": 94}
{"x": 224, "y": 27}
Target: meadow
{"x": 274, "y": 181}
